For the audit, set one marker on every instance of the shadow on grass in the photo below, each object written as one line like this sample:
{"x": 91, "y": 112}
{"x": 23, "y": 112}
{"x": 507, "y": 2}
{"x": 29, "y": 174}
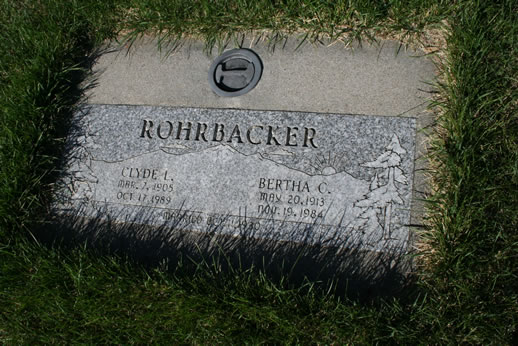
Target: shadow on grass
{"x": 349, "y": 269}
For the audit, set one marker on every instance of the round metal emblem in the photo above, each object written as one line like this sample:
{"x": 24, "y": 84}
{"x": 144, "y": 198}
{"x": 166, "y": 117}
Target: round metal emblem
{"x": 235, "y": 72}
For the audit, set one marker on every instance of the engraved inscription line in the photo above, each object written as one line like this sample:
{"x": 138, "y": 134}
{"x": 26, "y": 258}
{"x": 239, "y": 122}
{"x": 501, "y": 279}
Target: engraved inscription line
{"x": 256, "y": 134}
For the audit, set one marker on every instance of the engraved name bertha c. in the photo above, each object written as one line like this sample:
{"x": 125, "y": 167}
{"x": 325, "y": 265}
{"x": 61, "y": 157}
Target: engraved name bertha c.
{"x": 310, "y": 177}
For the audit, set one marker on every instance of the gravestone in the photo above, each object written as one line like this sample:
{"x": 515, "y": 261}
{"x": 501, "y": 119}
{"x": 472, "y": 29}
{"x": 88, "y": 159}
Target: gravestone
{"x": 321, "y": 152}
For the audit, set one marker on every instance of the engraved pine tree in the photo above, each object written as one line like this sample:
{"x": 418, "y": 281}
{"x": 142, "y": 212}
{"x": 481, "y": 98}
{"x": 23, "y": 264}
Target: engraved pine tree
{"x": 80, "y": 166}
{"x": 383, "y": 197}
{"x": 367, "y": 221}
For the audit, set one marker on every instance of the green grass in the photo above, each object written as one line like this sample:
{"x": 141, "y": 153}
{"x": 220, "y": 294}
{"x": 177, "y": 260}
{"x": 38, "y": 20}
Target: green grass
{"x": 223, "y": 21}
{"x": 466, "y": 289}
{"x": 105, "y": 300}
{"x": 475, "y": 213}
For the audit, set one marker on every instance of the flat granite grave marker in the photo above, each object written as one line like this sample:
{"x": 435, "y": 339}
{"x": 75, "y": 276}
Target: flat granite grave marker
{"x": 342, "y": 180}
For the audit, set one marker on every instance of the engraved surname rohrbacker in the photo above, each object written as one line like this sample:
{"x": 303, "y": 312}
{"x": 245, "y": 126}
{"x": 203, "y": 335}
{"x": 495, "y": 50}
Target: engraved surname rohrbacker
{"x": 290, "y": 136}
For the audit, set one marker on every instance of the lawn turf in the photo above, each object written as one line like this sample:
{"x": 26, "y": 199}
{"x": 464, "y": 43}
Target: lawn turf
{"x": 466, "y": 286}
